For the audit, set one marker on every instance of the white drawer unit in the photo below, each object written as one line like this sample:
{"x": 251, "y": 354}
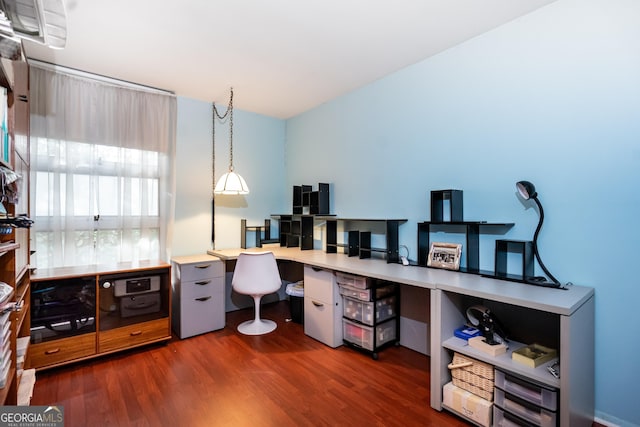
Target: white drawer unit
{"x": 322, "y": 306}
{"x": 198, "y": 295}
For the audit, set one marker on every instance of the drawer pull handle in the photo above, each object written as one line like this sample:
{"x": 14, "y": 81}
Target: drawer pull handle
{"x": 317, "y": 304}
{"x": 136, "y": 333}
{"x": 203, "y": 266}
{"x": 203, "y": 298}
{"x": 205, "y": 282}
{"x": 52, "y": 351}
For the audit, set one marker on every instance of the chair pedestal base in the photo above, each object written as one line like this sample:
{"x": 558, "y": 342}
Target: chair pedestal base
{"x": 257, "y": 327}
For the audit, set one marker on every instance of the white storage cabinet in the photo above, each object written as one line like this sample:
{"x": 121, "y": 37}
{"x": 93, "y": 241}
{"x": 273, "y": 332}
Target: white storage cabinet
{"x": 322, "y": 306}
{"x": 198, "y": 295}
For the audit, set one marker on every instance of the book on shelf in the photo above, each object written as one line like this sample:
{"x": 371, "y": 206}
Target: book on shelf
{"x": 533, "y": 355}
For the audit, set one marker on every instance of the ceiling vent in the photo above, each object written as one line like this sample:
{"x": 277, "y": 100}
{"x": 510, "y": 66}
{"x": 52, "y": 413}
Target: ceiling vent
{"x": 41, "y": 21}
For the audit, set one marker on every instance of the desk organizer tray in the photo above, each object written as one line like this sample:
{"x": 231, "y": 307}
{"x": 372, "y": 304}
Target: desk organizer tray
{"x": 4, "y": 369}
{"x": 369, "y": 312}
{"x": 472, "y": 375}
{"x": 4, "y": 319}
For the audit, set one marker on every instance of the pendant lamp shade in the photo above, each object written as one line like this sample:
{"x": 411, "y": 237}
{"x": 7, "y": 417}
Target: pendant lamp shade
{"x": 231, "y": 184}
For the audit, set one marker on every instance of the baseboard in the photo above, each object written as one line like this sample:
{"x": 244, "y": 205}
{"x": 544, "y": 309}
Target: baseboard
{"x": 610, "y": 422}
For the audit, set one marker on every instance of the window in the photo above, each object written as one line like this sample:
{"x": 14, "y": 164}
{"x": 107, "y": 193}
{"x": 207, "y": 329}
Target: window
{"x": 100, "y": 187}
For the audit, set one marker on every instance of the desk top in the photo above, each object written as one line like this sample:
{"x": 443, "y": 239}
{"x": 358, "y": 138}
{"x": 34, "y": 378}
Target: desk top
{"x": 96, "y": 270}
{"x": 558, "y": 301}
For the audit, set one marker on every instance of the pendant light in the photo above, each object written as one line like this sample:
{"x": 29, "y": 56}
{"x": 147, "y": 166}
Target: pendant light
{"x": 230, "y": 183}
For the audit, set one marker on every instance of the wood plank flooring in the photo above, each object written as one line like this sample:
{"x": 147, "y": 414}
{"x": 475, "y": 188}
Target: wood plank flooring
{"x": 224, "y": 378}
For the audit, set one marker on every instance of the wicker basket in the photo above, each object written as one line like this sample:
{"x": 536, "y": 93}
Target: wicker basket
{"x": 472, "y": 375}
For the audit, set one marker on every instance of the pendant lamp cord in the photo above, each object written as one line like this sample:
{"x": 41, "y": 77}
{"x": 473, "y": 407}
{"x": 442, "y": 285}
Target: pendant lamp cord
{"x": 213, "y": 176}
{"x": 221, "y": 117}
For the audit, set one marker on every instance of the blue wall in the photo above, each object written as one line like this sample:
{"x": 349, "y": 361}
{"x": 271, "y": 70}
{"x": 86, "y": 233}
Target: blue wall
{"x": 552, "y": 97}
{"x": 258, "y": 147}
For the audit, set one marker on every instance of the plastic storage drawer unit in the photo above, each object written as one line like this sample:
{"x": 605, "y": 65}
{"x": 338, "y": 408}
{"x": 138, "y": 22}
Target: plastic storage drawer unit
{"x": 370, "y": 313}
{"x": 524, "y": 410}
{"x": 362, "y": 335}
{"x": 527, "y": 391}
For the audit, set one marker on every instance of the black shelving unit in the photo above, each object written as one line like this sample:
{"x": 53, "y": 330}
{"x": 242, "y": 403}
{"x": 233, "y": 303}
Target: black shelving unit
{"x": 359, "y": 241}
{"x": 522, "y": 247}
{"x": 472, "y": 230}
{"x": 296, "y": 229}
{"x": 262, "y": 233}
{"x": 447, "y": 215}
{"x": 309, "y": 201}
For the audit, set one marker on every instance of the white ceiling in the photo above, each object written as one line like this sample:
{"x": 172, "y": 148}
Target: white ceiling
{"x": 282, "y": 57}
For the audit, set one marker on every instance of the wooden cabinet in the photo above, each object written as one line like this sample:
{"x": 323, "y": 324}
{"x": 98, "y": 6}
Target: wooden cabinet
{"x": 134, "y": 335}
{"x": 14, "y": 241}
{"x": 98, "y": 310}
{"x": 198, "y": 295}
{"x": 62, "y": 350}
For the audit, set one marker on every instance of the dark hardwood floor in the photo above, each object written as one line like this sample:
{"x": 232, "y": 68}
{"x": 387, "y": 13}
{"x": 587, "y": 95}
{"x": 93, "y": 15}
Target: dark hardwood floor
{"x": 224, "y": 378}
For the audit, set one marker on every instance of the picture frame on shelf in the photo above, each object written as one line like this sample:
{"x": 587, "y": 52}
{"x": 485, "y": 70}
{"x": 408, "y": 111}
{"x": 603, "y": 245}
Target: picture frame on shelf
{"x": 444, "y": 255}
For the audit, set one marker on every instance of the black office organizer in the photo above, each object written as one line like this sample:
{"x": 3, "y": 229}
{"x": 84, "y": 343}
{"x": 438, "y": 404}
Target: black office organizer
{"x": 359, "y": 241}
{"x": 296, "y": 228}
{"x": 447, "y": 214}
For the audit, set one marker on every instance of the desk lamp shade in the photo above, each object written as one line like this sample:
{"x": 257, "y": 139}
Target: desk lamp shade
{"x": 528, "y": 191}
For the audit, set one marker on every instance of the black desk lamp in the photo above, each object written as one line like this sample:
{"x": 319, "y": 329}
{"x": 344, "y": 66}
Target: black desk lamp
{"x": 528, "y": 191}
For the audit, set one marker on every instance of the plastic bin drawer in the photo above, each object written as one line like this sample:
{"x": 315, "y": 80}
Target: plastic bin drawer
{"x": 535, "y": 414}
{"x": 528, "y": 391}
{"x": 359, "y": 282}
{"x": 370, "y": 313}
{"x": 362, "y": 335}
{"x": 351, "y": 292}
{"x": 502, "y": 418}
{"x": 366, "y": 294}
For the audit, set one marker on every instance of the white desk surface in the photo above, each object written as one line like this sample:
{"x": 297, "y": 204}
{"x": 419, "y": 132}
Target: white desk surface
{"x": 557, "y": 301}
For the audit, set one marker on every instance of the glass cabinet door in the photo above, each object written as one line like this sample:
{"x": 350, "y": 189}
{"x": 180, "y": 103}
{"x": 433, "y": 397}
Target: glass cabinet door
{"x": 135, "y": 297}
{"x": 62, "y": 308}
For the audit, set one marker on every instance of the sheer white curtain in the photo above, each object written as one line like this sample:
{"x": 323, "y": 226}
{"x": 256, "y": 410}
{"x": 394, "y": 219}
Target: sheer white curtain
{"x": 101, "y": 170}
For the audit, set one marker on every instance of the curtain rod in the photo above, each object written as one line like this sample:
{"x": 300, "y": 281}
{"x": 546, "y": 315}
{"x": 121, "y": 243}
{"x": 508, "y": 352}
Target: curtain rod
{"x": 85, "y": 74}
